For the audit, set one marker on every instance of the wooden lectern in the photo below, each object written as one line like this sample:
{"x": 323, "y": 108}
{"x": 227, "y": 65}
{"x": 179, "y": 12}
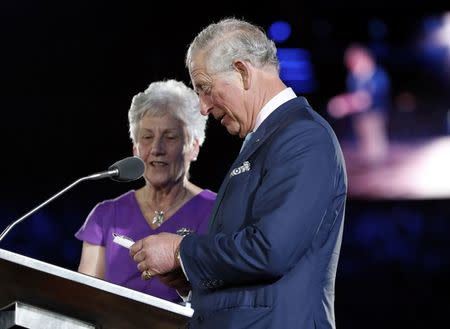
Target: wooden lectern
{"x": 35, "y": 294}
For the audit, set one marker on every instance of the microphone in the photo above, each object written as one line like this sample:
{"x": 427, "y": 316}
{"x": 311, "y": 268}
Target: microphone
{"x": 125, "y": 170}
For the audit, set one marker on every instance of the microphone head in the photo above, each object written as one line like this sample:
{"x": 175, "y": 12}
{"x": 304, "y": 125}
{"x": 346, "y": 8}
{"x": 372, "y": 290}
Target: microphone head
{"x": 129, "y": 169}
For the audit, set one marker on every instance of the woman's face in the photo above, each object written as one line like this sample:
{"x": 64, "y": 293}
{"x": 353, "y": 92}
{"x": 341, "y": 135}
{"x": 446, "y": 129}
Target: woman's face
{"x": 162, "y": 145}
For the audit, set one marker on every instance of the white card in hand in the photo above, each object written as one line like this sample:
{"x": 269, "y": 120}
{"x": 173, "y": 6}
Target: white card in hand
{"x": 123, "y": 240}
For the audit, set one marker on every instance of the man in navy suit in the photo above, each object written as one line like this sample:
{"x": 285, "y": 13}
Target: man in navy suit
{"x": 270, "y": 257}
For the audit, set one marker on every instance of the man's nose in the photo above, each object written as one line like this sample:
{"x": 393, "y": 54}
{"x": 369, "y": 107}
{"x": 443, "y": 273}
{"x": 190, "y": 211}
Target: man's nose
{"x": 205, "y": 104}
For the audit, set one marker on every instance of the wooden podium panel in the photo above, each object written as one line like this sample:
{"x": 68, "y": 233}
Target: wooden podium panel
{"x": 79, "y": 296}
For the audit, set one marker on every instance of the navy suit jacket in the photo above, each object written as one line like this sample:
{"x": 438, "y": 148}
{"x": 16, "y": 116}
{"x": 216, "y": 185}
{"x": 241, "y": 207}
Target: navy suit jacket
{"x": 270, "y": 257}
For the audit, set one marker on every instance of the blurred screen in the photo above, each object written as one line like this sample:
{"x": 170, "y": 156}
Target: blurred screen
{"x": 385, "y": 91}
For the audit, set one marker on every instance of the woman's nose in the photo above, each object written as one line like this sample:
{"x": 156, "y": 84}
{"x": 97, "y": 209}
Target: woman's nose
{"x": 157, "y": 146}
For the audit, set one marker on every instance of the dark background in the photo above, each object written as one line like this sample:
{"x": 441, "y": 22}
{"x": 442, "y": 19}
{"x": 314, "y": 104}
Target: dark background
{"x": 69, "y": 69}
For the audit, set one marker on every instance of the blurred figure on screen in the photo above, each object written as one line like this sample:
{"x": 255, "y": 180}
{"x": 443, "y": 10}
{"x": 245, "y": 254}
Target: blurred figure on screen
{"x": 367, "y": 101}
{"x": 167, "y": 130}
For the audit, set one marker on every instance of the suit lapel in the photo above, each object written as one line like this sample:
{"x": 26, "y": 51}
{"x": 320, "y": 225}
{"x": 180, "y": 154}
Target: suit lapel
{"x": 267, "y": 128}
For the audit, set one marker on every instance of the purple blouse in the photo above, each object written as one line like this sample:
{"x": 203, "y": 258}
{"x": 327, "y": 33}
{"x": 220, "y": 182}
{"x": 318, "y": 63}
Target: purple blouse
{"x": 123, "y": 216}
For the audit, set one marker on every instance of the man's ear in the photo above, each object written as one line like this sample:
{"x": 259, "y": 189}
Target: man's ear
{"x": 244, "y": 70}
{"x": 135, "y": 152}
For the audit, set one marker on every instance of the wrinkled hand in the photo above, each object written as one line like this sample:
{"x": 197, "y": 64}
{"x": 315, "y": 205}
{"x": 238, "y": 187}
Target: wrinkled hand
{"x": 156, "y": 253}
{"x": 177, "y": 280}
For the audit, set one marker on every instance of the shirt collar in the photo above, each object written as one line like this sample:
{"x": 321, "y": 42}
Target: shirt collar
{"x": 278, "y": 100}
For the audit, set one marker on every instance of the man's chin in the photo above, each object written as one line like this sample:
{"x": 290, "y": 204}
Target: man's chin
{"x": 231, "y": 129}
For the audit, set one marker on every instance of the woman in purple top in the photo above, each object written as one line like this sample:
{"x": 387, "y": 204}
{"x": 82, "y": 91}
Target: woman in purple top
{"x": 167, "y": 130}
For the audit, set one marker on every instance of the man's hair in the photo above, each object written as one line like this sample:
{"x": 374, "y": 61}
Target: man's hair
{"x": 230, "y": 39}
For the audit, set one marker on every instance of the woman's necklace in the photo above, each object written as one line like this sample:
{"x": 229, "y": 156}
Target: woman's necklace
{"x": 159, "y": 217}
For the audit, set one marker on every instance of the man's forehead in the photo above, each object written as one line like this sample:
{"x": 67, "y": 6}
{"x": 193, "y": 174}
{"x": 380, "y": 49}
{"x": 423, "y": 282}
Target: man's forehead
{"x": 197, "y": 60}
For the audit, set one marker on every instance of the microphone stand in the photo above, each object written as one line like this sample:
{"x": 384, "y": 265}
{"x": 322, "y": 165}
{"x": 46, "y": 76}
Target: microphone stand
{"x": 109, "y": 173}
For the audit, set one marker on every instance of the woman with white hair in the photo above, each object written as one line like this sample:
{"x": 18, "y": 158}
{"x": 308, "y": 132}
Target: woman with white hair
{"x": 167, "y": 131}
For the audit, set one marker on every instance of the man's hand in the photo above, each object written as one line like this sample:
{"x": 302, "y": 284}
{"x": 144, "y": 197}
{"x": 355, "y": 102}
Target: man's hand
{"x": 155, "y": 254}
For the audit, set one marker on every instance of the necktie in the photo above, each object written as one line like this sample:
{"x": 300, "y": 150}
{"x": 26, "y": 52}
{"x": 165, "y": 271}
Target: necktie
{"x": 247, "y": 138}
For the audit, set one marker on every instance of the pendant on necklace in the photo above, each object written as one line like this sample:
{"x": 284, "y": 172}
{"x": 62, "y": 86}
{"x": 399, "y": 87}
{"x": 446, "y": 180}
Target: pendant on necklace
{"x": 158, "y": 219}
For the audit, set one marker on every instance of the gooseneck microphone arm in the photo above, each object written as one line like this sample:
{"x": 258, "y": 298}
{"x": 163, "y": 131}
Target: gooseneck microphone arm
{"x": 10, "y": 226}
{"x": 125, "y": 170}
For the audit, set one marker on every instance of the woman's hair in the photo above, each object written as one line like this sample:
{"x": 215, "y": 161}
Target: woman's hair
{"x": 230, "y": 39}
{"x": 168, "y": 97}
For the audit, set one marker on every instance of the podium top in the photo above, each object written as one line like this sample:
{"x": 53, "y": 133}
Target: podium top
{"x": 57, "y": 287}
